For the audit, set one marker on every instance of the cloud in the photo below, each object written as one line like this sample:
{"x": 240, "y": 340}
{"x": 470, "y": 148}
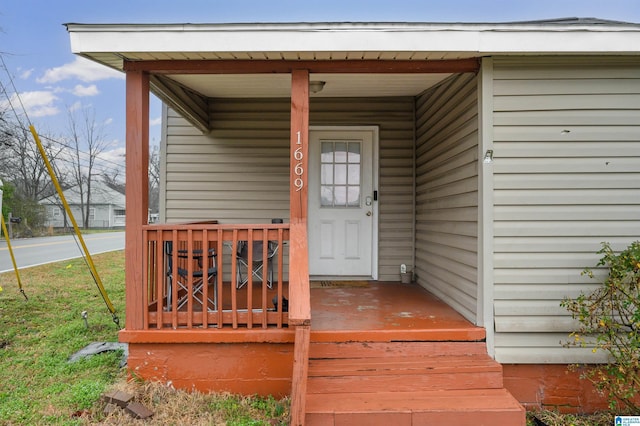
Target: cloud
{"x": 77, "y": 105}
{"x": 108, "y": 121}
{"x": 155, "y": 121}
{"x": 81, "y": 69}
{"x": 114, "y": 156}
{"x": 25, "y": 74}
{"x": 81, "y": 90}
{"x": 39, "y": 103}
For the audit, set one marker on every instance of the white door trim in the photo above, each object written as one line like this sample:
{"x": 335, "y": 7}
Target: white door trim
{"x": 376, "y": 175}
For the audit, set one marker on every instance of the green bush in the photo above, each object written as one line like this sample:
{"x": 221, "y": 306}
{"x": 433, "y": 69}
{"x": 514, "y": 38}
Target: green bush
{"x": 610, "y": 316}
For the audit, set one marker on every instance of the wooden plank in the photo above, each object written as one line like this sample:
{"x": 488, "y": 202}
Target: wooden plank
{"x": 174, "y": 277}
{"x": 265, "y": 275}
{"x": 190, "y": 283}
{"x": 390, "y": 366}
{"x": 228, "y": 335}
{"x": 412, "y": 348}
{"x": 470, "y": 402}
{"x": 291, "y": 66}
{"x": 476, "y": 379}
{"x": 300, "y": 306}
{"x": 137, "y": 194}
{"x": 234, "y": 283}
{"x": 160, "y": 277}
{"x": 220, "y": 284}
{"x": 300, "y": 375}
{"x": 146, "y": 281}
{"x": 249, "y": 283}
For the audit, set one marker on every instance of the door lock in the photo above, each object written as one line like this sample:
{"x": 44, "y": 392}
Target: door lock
{"x": 369, "y": 213}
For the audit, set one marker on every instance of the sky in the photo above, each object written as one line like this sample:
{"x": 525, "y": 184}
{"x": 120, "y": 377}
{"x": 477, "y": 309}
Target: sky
{"x": 51, "y": 81}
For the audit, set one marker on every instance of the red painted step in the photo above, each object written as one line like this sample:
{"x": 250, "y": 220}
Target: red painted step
{"x": 489, "y": 407}
{"x": 407, "y": 383}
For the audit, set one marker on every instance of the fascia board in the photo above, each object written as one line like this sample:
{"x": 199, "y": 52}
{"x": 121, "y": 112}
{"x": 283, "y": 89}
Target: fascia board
{"x": 172, "y": 39}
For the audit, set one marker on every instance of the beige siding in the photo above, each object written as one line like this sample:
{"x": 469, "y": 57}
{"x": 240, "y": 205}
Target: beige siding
{"x": 240, "y": 171}
{"x": 566, "y": 177}
{"x": 447, "y": 192}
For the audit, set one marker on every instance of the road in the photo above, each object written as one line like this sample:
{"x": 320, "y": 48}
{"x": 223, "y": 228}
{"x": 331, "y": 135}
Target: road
{"x": 38, "y": 251}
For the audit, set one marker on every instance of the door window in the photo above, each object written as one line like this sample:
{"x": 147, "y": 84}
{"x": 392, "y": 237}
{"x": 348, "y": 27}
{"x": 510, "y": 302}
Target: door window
{"x": 340, "y": 174}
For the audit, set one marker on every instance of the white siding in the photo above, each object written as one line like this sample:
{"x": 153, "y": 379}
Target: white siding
{"x": 447, "y": 192}
{"x": 239, "y": 173}
{"x": 566, "y": 177}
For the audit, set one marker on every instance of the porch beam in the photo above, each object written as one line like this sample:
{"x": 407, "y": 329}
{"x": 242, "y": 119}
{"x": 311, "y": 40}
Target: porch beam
{"x": 191, "y": 105}
{"x": 287, "y": 66}
{"x": 137, "y": 193}
{"x": 299, "y": 293}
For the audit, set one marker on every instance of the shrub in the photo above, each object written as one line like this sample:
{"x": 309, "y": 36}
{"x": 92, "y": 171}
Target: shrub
{"x": 611, "y": 316}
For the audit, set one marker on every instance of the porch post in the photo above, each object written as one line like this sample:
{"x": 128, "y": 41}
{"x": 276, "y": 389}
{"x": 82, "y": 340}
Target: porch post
{"x": 299, "y": 293}
{"x": 299, "y": 304}
{"x": 137, "y": 193}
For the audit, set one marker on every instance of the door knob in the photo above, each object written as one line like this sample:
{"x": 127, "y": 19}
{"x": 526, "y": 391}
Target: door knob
{"x": 368, "y": 213}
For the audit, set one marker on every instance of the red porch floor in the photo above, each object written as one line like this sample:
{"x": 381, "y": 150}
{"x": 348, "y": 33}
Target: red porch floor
{"x": 386, "y": 312}
{"x": 390, "y": 353}
{"x": 367, "y": 311}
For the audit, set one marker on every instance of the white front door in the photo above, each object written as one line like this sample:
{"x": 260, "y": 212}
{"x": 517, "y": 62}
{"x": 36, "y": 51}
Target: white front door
{"x": 342, "y": 203}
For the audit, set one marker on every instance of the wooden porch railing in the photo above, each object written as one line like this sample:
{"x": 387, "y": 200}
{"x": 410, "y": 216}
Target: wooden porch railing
{"x": 197, "y": 277}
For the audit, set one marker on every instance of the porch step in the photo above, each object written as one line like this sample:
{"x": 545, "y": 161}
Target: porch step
{"x": 407, "y": 383}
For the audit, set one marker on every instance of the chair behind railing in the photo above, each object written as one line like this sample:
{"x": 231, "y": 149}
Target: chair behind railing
{"x": 191, "y": 275}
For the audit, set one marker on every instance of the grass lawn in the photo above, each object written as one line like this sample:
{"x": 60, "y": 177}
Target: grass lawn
{"x": 39, "y": 386}
{"x": 37, "y": 336}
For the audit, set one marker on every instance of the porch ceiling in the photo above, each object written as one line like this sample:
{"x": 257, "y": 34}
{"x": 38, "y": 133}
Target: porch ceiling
{"x": 279, "y": 85}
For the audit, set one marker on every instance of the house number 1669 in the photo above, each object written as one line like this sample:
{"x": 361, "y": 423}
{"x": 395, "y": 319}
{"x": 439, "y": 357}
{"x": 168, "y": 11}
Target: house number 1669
{"x": 298, "y": 169}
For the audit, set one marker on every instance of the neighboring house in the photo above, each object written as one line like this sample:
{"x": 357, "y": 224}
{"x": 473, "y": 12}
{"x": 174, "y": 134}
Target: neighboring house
{"x": 490, "y": 159}
{"x": 107, "y": 209}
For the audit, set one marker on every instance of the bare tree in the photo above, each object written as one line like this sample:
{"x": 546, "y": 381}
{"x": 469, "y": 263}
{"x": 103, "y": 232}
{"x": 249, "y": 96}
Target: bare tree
{"x": 87, "y": 143}
{"x": 23, "y": 167}
{"x": 22, "y": 164}
{"x": 154, "y": 178}
{"x": 113, "y": 180}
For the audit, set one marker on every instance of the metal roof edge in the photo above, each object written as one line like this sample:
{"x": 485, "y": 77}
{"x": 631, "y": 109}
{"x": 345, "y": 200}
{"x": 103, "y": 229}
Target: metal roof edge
{"x": 594, "y": 24}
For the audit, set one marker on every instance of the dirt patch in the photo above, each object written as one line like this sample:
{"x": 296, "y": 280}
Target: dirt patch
{"x": 172, "y": 406}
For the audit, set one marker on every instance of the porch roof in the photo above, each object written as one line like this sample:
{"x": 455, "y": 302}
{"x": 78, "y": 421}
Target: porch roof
{"x": 120, "y": 45}
{"x": 112, "y": 44}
